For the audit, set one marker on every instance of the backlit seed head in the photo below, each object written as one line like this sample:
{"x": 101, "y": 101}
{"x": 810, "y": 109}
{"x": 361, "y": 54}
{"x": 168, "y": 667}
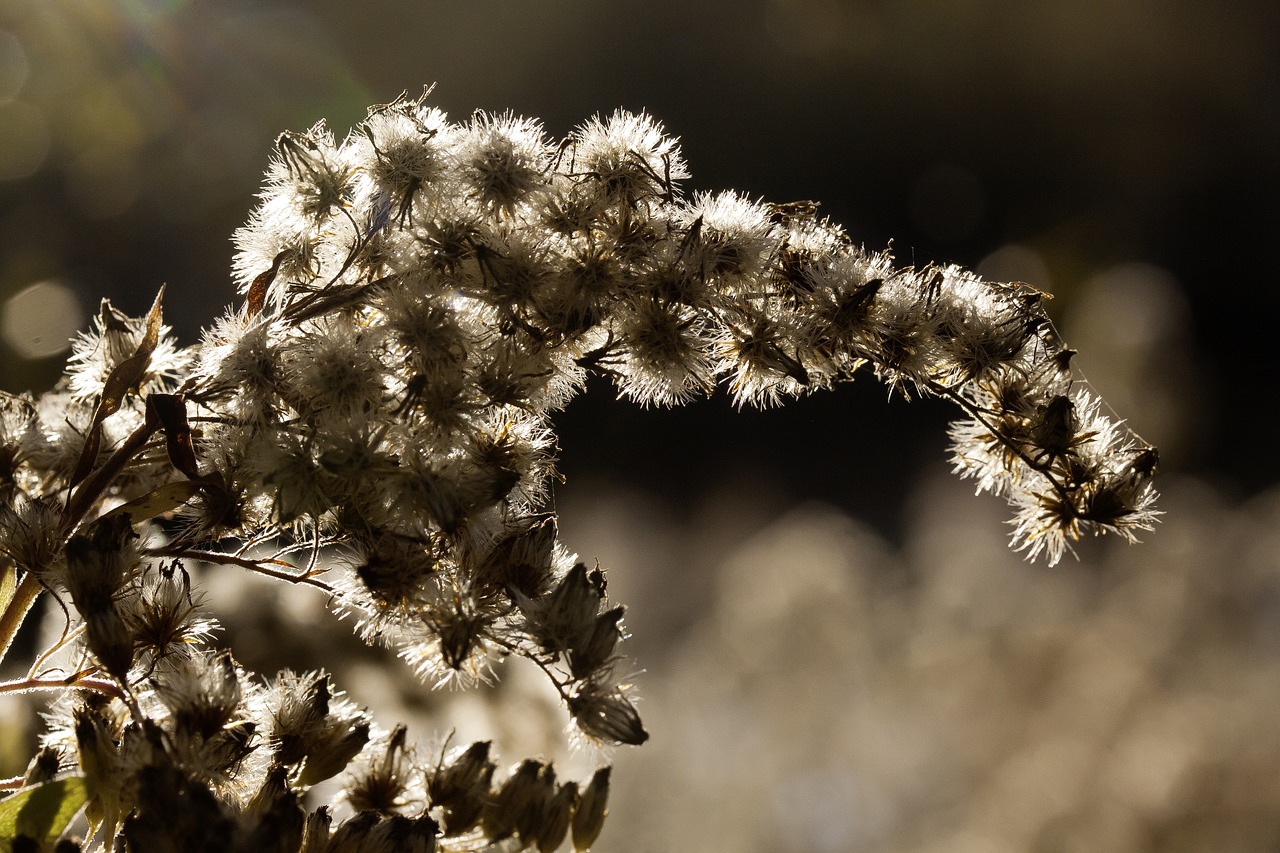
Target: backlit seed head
{"x": 384, "y": 785}
{"x": 315, "y": 832}
{"x": 110, "y": 642}
{"x": 299, "y": 705}
{"x": 99, "y": 563}
{"x": 533, "y": 813}
{"x": 461, "y": 789}
{"x": 338, "y": 744}
{"x": 594, "y": 649}
{"x": 604, "y": 713}
{"x": 556, "y": 818}
{"x": 512, "y": 805}
{"x": 593, "y": 807}
{"x": 42, "y": 767}
{"x": 569, "y": 611}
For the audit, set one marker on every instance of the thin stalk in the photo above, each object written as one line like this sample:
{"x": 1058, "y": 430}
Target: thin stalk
{"x": 231, "y": 560}
{"x": 25, "y": 595}
{"x": 68, "y": 634}
{"x": 26, "y": 685}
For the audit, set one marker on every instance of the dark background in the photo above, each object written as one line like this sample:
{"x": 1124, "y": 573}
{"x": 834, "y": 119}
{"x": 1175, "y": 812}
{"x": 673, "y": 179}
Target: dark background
{"x": 1090, "y": 135}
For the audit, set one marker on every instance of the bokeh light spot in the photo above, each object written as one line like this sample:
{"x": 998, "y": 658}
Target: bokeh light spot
{"x": 1013, "y": 262}
{"x": 39, "y": 321}
{"x": 24, "y": 140}
{"x": 13, "y": 66}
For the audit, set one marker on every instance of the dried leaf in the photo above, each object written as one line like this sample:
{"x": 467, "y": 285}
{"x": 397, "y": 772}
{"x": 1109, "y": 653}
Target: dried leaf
{"x": 171, "y": 410}
{"x": 126, "y": 377}
{"x": 256, "y": 298}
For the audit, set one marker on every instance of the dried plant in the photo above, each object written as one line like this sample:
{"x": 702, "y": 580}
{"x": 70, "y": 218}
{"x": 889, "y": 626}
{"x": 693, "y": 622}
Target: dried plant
{"x": 374, "y": 421}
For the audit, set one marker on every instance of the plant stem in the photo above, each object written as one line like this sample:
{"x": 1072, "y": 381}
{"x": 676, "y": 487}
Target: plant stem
{"x": 232, "y": 560}
{"x": 23, "y": 685}
{"x": 25, "y": 595}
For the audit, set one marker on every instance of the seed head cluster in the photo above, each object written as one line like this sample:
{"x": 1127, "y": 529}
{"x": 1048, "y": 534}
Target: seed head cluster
{"x": 375, "y": 420}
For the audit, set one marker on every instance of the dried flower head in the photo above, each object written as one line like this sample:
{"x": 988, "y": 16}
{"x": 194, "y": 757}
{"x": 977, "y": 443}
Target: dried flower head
{"x": 374, "y": 421}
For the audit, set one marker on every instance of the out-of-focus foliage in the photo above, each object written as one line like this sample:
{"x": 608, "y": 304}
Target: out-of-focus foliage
{"x": 838, "y": 693}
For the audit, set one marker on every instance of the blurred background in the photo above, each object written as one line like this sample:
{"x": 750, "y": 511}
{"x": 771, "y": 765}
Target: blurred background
{"x": 839, "y": 652}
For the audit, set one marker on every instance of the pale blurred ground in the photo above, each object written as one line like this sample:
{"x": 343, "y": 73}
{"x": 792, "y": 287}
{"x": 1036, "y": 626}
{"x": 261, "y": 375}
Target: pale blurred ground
{"x": 839, "y": 653}
{"x": 835, "y": 693}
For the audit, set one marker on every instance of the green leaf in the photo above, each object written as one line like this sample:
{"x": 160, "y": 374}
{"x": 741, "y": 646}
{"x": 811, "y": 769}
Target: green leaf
{"x": 42, "y": 812}
{"x": 158, "y": 501}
